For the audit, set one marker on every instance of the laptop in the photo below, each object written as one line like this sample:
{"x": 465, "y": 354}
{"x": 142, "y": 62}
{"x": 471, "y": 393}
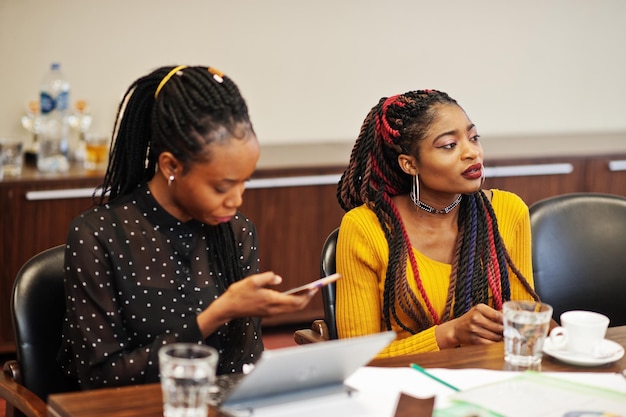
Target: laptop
{"x": 301, "y": 372}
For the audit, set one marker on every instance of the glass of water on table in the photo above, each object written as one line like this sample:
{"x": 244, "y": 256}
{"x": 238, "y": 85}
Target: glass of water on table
{"x": 187, "y": 375}
{"x": 526, "y": 326}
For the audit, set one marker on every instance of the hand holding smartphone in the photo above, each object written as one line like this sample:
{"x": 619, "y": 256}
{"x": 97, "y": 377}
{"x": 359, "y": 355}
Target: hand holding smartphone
{"x": 318, "y": 283}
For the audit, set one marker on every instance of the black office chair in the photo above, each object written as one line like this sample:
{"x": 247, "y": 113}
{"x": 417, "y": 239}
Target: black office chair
{"x": 38, "y": 308}
{"x": 322, "y": 330}
{"x": 579, "y": 253}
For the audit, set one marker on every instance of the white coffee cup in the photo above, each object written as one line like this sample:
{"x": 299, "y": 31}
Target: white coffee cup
{"x": 580, "y": 332}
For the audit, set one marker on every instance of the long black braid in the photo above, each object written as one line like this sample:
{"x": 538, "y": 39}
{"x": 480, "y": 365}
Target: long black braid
{"x": 194, "y": 108}
{"x": 397, "y": 125}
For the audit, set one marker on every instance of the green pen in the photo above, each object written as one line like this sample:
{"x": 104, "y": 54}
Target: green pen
{"x": 428, "y": 374}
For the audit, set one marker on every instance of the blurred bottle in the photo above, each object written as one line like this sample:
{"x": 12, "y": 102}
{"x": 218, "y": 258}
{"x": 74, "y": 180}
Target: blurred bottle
{"x": 80, "y": 118}
{"x": 31, "y": 121}
{"x": 80, "y": 121}
{"x": 54, "y": 141}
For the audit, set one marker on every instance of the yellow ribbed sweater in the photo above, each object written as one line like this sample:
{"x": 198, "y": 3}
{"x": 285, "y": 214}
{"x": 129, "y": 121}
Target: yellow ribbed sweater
{"x": 362, "y": 255}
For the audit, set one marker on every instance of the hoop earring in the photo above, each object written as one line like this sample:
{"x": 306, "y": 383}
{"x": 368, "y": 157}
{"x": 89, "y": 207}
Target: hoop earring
{"x": 169, "y": 180}
{"x": 415, "y": 193}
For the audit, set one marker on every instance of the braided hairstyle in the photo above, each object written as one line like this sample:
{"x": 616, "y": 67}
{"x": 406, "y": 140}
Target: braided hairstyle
{"x": 397, "y": 125}
{"x": 182, "y": 110}
{"x": 191, "y": 110}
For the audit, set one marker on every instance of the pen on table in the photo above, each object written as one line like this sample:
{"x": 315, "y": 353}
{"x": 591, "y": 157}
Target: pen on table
{"x": 428, "y": 374}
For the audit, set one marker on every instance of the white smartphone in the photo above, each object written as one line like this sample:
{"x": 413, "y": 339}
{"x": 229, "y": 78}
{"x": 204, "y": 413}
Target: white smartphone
{"x": 318, "y": 283}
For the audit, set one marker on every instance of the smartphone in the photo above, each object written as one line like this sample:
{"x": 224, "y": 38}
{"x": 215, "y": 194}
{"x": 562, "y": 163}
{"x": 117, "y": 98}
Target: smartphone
{"x": 318, "y": 283}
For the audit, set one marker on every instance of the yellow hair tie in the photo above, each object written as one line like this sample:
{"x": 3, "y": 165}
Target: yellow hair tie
{"x": 217, "y": 74}
{"x": 167, "y": 77}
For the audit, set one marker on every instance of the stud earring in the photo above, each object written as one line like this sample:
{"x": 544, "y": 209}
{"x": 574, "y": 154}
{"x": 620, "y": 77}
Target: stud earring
{"x": 169, "y": 180}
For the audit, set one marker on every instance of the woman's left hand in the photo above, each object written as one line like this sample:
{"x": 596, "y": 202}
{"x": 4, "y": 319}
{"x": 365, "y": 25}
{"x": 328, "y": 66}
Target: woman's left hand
{"x": 480, "y": 325}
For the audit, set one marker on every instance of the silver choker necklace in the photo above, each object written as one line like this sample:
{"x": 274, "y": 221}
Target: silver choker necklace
{"x": 433, "y": 210}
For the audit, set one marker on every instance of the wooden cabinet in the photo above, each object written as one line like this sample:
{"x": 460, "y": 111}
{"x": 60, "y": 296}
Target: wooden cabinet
{"x": 294, "y": 209}
{"x": 292, "y": 224}
{"x": 606, "y": 174}
{"x": 538, "y": 178}
{"x": 33, "y": 221}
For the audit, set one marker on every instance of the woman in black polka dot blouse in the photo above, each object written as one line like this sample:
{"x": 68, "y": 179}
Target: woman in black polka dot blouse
{"x": 165, "y": 256}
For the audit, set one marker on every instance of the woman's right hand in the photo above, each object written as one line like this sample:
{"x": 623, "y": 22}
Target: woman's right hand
{"x": 252, "y": 296}
{"x": 480, "y": 325}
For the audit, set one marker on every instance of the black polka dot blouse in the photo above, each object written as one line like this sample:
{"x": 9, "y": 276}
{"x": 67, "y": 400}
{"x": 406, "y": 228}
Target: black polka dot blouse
{"x": 136, "y": 278}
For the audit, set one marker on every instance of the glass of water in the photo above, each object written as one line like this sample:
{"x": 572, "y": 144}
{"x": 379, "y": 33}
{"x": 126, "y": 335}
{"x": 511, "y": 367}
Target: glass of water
{"x": 526, "y": 326}
{"x": 11, "y": 154}
{"x": 187, "y": 374}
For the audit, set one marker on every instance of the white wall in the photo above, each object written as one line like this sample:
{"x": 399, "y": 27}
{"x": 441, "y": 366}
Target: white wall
{"x": 311, "y": 70}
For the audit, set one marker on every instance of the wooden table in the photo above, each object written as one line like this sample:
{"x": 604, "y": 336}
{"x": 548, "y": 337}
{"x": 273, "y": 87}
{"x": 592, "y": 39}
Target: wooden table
{"x": 146, "y": 400}
{"x": 492, "y": 357}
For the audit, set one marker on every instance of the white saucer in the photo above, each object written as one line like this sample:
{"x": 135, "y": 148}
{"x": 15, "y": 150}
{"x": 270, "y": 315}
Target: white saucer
{"x": 614, "y": 351}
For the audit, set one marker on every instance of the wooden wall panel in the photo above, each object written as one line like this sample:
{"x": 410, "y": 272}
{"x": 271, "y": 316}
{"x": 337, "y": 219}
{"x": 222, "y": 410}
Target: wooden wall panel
{"x": 292, "y": 225}
{"x": 292, "y": 221}
{"x": 601, "y": 179}
{"x": 532, "y": 188}
{"x": 28, "y": 227}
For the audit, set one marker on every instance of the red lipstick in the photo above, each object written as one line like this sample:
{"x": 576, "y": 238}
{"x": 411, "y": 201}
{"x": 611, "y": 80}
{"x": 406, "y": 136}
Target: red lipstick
{"x": 473, "y": 172}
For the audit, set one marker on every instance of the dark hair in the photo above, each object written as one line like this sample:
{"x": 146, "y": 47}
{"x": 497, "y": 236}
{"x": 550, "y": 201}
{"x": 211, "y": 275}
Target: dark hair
{"x": 397, "y": 125}
{"x": 181, "y": 110}
{"x": 193, "y": 108}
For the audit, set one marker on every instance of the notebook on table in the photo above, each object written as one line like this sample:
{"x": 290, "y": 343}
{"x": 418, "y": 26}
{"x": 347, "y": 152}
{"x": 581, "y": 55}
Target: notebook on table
{"x": 302, "y": 372}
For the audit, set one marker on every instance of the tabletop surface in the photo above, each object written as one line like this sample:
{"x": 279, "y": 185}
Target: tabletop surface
{"x": 492, "y": 357}
{"x": 146, "y": 400}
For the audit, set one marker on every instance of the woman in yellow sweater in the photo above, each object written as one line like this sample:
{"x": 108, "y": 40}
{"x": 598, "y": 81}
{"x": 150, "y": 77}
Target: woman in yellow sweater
{"x": 422, "y": 249}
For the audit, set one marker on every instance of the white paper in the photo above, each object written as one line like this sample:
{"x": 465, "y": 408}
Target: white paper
{"x": 542, "y": 395}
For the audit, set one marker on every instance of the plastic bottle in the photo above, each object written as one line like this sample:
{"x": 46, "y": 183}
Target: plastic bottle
{"x": 54, "y": 142}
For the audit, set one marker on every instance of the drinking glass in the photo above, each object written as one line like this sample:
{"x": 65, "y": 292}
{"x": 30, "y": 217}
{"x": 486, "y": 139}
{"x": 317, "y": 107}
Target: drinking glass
{"x": 11, "y": 155}
{"x": 526, "y": 326}
{"x": 187, "y": 374}
{"x": 96, "y": 152}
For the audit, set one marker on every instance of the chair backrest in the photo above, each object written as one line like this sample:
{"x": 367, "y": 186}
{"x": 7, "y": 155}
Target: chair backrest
{"x": 579, "y": 253}
{"x": 328, "y": 266}
{"x": 38, "y": 308}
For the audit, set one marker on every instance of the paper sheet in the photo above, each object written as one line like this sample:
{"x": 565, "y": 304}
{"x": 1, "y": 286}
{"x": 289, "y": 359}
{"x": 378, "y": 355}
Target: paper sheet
{"x": 540, "y": 395}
